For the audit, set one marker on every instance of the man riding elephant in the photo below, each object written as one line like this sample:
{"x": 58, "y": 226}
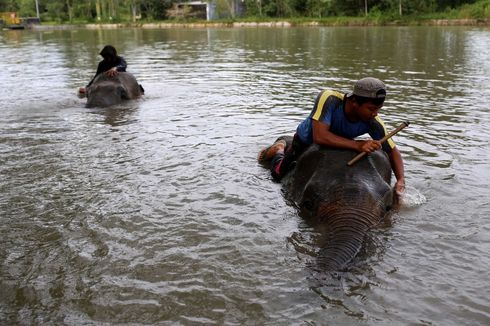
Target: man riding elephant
{"x": 111, "y": 65}
{"x": 336, "y": 119}
{"x": 111, "y": 83}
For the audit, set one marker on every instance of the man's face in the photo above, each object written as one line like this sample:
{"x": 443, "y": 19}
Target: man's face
{"x": 368, "y": 110}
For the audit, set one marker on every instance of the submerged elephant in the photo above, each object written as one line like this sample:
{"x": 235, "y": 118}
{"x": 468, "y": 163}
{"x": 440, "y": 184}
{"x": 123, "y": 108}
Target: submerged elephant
{"x": 107, "y": 91}
{"x": 345, "y": 202}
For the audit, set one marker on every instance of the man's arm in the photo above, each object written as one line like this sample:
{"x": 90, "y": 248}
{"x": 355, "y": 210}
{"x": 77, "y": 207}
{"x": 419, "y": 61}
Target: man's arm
{"x": 396, "y": 161}
{"x": 122, "y": 65}
{"x": 99, "y": 71}
{"x": 324, "y": 137}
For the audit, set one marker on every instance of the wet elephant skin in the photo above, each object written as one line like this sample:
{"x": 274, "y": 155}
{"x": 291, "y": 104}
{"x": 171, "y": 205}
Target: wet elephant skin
{"x": 344, "y": 202}
{"x": 106, "y": 91}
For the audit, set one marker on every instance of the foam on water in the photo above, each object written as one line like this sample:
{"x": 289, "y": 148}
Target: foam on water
{"x": 412, "y": 197}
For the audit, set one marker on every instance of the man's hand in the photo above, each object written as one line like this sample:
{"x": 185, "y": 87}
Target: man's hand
{"x": 369, "y": 146}
{"x": 82, "y": 92}
{"x": 400, "y": 187}
{"x": 111, "y": 72}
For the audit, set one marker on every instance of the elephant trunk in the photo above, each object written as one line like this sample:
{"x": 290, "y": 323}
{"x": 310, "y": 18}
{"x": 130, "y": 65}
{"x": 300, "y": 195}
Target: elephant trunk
{"x": 345, "y": 230}
{"x": 344, "y": 203}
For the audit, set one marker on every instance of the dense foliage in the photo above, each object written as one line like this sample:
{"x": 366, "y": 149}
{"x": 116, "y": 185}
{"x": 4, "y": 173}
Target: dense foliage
{"x": 148, "y": 10}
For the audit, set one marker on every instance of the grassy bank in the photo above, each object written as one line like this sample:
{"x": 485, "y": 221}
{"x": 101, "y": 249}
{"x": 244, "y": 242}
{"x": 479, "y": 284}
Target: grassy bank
{"x": 477, "y": 14}
{"x": 291, "y": 22}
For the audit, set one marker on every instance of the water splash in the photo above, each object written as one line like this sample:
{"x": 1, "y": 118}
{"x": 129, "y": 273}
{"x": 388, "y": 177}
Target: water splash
{"x": 412, "y": 197}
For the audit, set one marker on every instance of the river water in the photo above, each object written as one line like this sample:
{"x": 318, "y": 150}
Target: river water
{"x": 156, "y": 211}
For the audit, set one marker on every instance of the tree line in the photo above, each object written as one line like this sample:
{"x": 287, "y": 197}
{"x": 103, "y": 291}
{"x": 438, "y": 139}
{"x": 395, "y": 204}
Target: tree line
{"x": 150, "y": 10}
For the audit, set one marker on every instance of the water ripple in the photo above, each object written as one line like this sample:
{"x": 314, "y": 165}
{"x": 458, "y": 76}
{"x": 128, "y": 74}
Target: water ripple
{"x": 156, "y": 210}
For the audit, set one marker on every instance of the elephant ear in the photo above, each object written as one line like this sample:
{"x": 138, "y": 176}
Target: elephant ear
{"x": 122, "y": 93}
{"x": 381, "y": 163}
{"x": 303, "y": 171}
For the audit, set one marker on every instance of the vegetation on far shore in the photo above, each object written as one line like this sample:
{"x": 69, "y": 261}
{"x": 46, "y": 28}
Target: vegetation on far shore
{"x": 272, "y": 12}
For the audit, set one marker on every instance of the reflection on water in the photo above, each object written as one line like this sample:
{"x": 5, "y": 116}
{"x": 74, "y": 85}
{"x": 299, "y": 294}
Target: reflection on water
{"x": 156, "y": 211}
{"x": 118, "y": 115}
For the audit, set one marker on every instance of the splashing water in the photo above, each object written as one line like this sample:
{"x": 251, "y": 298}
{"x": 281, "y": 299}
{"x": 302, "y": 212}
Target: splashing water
{"x": 412, "y": 198}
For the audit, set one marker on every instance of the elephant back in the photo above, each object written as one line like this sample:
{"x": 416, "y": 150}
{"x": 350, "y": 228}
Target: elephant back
{"x": 321, "y": 175}
{"x": 124, "y": 79}
{"x": 109, "y": 90}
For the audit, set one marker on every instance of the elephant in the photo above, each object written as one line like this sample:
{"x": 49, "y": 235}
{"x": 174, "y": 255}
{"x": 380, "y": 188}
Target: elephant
{"x": 106, "y": 90}
{"x": 344, "y": 202}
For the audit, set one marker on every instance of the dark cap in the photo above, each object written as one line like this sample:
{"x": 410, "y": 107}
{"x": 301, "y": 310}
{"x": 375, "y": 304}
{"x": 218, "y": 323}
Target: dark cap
{"x": 108, "y": 52}
{"x": 369, "y": 87}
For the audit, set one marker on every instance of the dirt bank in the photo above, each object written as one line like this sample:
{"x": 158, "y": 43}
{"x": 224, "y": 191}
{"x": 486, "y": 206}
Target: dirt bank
{"x": 431, "y": 22}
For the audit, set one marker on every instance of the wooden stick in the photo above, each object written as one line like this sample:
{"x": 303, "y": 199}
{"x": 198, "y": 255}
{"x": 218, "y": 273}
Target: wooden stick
{"x": 382, "y": 140}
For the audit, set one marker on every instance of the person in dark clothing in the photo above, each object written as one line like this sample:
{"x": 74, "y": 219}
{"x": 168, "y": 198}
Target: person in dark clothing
{"x": 111, "y": 65}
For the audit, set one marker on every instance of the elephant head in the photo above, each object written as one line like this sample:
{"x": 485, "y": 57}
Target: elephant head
{"x": 106, "y": 91}
{"x": 344, "y": 202}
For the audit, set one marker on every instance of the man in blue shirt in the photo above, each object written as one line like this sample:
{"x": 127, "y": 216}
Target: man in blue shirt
{"x": 336, "y": 119}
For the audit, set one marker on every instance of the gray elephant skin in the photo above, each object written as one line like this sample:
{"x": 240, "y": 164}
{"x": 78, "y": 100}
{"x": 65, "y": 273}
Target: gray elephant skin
{"x": 342, "y": 202}
{"x": 106, "y": 91}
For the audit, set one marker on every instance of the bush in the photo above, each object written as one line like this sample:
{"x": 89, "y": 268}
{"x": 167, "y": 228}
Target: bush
{"x": 479, "y": 10}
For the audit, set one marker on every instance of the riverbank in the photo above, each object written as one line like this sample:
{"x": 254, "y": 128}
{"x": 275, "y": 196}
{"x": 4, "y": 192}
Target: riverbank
{"x": 283, "y": 23}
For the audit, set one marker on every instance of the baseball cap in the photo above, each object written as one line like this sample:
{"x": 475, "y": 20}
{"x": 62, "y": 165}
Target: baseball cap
{"x": 369, "y": 87}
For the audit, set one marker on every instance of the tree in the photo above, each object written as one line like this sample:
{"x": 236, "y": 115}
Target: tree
{"x": 9, "y": 5}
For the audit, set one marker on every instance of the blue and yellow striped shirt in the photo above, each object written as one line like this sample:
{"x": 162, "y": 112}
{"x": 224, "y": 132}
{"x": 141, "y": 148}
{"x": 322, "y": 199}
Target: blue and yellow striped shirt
{"x": 329, "y": 109}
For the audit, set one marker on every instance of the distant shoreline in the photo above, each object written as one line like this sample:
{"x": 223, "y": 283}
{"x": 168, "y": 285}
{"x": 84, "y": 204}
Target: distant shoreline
{"x": 287, "y": 24}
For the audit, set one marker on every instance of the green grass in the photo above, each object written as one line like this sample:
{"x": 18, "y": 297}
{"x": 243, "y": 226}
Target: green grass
{"x": 479, "y": 11}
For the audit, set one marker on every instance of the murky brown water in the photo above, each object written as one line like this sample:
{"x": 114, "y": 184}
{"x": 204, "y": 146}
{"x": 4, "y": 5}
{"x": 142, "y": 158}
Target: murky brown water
{"x": 156, "y": 212}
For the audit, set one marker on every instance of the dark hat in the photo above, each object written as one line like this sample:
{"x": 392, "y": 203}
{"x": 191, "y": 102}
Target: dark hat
{"x": 369, "y": 87}
{"x": 108, "y": 51}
